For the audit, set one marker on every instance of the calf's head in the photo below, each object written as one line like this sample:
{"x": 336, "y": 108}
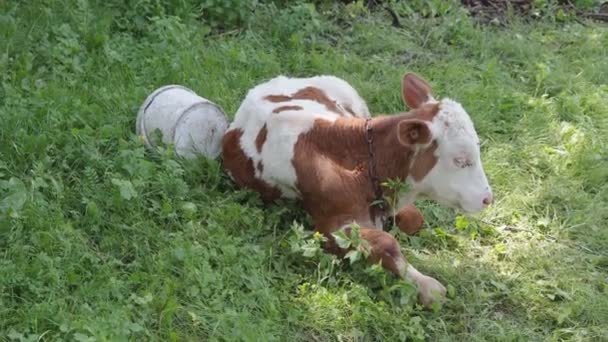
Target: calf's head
{"x": 447, "y": 167}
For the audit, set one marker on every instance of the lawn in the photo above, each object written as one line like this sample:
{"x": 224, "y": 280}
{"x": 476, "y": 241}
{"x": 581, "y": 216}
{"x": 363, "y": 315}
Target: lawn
{"x": 101, "y": 240}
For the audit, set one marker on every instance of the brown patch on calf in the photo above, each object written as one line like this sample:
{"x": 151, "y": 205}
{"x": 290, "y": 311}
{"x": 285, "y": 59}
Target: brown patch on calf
{"x": 308, "y": 93}
{"x": 260, "y": 166}
{"x": 317, "y": 95}
{"x": 284, "y": 108}
{"x": 332, "y": 162}
{"x": 277, "y": 98}
{"x": 332, "y": 159}
{"x": 329, "y": 161}
{"x": 424, "y": 162}
{"x": 241, "y": 167}
{"x": 261, "y": 138}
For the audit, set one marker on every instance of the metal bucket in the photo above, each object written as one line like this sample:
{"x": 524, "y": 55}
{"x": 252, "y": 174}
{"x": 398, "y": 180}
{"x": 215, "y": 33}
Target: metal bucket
{"x": 194, "y": 125}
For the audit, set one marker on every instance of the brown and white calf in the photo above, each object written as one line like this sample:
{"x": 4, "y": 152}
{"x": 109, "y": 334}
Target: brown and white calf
{"x": 309, "y": 138}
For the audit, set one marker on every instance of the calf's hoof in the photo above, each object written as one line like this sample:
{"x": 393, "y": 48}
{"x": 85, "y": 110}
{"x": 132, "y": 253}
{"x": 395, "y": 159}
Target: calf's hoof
{"x": 430, "y": 291}
{"x": 409, "y": 220}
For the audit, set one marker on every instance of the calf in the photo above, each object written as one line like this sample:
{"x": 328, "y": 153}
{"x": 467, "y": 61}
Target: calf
{"x": 313, "y": 139}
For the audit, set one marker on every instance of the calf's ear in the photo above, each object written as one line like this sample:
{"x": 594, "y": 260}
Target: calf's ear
{"x": 415, "y": 90}
{"x": 412, "y": 132}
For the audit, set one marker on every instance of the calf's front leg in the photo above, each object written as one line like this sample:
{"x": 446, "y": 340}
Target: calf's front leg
{"x": 385, "y": 248}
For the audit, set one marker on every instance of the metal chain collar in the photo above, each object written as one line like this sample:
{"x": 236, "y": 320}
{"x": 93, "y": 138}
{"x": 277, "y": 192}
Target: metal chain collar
{"x": 379, "y": 202}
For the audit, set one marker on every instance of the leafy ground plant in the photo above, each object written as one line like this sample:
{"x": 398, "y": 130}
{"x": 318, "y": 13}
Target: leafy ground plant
{"x": 101, "y": 240}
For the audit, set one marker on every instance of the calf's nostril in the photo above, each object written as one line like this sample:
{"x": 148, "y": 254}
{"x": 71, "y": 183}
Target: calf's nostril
{"x": 488, "y": 200}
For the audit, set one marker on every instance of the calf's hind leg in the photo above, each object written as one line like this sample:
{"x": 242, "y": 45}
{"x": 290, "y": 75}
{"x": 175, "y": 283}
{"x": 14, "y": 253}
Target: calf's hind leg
{"x": 409, "y": 219}
{"x": 386, "y": 249}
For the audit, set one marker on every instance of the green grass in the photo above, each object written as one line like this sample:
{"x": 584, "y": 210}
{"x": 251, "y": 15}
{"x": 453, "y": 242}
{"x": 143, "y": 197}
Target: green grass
{"x": 102, "y": 240}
